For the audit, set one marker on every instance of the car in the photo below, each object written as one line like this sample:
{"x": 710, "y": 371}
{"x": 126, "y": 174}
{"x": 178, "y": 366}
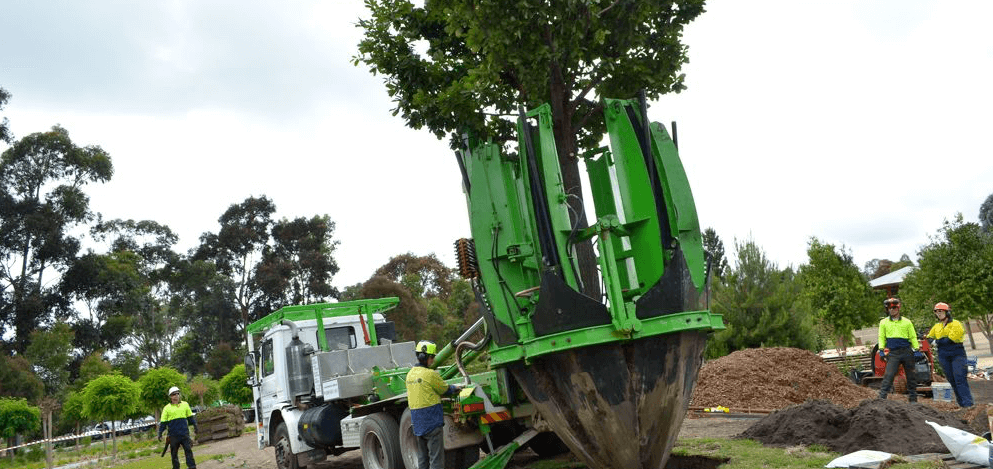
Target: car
{"x": 145, "y": 423}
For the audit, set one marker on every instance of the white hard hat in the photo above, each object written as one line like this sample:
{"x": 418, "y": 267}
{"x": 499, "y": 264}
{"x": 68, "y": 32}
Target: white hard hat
{"x": 173, "y": 390}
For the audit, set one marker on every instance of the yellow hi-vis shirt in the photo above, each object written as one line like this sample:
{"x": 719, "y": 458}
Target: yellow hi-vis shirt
{"x": 953, "y": 330}
{"x": 424, "y": 387}
{"x": 897, "y": 334}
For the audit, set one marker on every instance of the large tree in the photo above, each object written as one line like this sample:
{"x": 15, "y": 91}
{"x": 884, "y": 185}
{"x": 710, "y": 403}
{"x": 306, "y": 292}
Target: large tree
{"x": 954, "y": 268}
{"x": 298, "y": 266}
{"x": 41, "y": 199}
{"x": 986, "y": 214}
{"x": 237, "y": 248}
{"x": 760, "y": 306}
{"x": 457, "y": 67}
{"x": 836, "y": 291}
{"x": 5, "y": 135}
{"x": 17, "y": 418}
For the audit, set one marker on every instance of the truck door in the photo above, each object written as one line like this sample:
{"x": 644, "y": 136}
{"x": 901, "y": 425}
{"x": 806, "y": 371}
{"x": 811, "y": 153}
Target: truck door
{"x": 269, "y": 384}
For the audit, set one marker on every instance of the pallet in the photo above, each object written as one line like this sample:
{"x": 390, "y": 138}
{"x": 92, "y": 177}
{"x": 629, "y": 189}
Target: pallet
{"x": 946, "y": 458}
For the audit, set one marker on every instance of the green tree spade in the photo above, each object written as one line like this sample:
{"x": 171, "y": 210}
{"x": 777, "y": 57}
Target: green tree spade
{"x": 836, "y": 291}
{"x": 41, "y": 189}
{"x": 16, "y": 418}
{"x": 456, "y": 67}
{"x": 110, "y": 397}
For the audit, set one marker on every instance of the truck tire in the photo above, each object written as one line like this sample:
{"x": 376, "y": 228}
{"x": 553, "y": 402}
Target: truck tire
{"x": 380, "y": 443}
{"x": 285, "y": 459}
{"x": 408, "y": 441}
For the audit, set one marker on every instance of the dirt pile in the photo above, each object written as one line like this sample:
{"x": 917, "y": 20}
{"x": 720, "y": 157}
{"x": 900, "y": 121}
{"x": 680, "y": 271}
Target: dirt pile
{"x": 773, "y": 378}
{"x": 881, "y": 425}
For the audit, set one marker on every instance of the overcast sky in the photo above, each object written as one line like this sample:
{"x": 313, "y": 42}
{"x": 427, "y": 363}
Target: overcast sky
{"x": 865, "y": 124}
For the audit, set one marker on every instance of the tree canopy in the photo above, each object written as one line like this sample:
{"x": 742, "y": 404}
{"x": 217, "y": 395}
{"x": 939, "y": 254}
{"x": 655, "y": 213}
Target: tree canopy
{"x": 954, "y": 268}
{"x": 234, "y": 388}
{"x": 17, "y": 417}
{"x": 836, "y": 291}
{"x": 459, "y": 68}
{"x": 110, "y": 397}
{"x": 41, "y": 198}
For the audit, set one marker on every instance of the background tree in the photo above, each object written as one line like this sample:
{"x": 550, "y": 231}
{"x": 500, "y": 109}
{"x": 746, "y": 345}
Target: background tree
{"x": 234, "y": 388}
{"x": 72, "y": 413}
{"x": 50, "y": 351}
{"x": 955, "y": 268}
{"x": 760, "y": 307}
{"x": 153, "y": 388}
{"x": 92, "y": 366}
{"x": 237, "y": 247}
{"x": 42, "y": 177}
{"x": 297, "y": 268}
{"x": 17, "y": 418}
{"x": 5, "y": 135}
{"x": 481, "y": 63}
{"x": 837, "y": 292}
{"x": 110, "y": 397}
{"x": 714, "y": 247}
{"x": 222, "y": 358}
{"x": 202, "y": 313}
{"x": 17, "y": 379}
{"x": 986, "y": 214}
{"x": 204, "y": 390}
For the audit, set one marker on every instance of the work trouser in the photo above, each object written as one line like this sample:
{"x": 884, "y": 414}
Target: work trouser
{"x": 432, "y": 446}
{"x": 174, "y": 443}
{"x": 905, "y": 357}
{"x": 956, "y": 369}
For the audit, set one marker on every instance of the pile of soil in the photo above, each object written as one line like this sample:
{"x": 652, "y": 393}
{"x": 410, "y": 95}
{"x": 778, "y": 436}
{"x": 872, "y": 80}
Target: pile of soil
{"x": 773, "y": 378}
{"x": 881, "y": 425}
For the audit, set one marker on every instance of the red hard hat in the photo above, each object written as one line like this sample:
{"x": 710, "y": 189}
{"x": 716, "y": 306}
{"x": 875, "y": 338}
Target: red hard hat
{"x": 941, "y": 307}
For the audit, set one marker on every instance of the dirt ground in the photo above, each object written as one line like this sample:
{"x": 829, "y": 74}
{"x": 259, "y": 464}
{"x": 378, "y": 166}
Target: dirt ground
{"x": 752, "y": 379}
{"x": 243, "y": 453}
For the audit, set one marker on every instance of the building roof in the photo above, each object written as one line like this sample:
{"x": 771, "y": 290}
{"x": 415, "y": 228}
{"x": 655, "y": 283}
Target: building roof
{"x": 892, "y": 278}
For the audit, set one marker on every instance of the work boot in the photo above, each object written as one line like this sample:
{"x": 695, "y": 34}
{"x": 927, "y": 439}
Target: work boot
{"x": 882, "y": 395}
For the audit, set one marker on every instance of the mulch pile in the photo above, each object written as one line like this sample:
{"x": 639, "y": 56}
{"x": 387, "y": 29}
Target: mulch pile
{"x": 773, "y": 378}
{"x": 812, "y": 402}
{"x": 881, "y": 425}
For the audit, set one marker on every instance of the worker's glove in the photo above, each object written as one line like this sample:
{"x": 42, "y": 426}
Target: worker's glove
{"x": 882, "y": 354}
{"x": 918, "y": 354}
{"x": 196, "y": 429}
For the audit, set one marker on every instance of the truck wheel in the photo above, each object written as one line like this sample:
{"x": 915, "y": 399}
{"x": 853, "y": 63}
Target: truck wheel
{"x": 379, "y": 442}
{"x": 408, "y": 441}
{"x": 285, "y": 459}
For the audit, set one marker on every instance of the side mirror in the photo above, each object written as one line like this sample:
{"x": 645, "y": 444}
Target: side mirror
{"x": 250, "y": 360}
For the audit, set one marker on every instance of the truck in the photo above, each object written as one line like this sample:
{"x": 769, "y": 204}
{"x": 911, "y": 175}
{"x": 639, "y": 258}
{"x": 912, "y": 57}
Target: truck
{"x": 607, "y": 376}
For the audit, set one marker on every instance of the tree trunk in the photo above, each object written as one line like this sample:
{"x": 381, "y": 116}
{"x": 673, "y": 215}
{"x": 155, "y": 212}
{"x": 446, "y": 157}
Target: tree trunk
{"x": 47, "y": 424}
{"x": 968, "y": 329}
{"x": 567, "y": 147}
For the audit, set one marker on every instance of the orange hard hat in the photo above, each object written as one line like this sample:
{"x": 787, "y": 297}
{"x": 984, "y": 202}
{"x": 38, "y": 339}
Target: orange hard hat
{"x": 941, "y": 307}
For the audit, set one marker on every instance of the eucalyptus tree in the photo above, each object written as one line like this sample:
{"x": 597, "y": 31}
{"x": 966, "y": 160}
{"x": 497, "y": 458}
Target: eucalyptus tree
{"x": 459, "y": 67}
{"x": 237, "y": 248}
{"x": 715, "y": 250}
{"x": 297, "y": 267}
{"x": 5, "y": 135}
{"x": 42, "y": 177}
